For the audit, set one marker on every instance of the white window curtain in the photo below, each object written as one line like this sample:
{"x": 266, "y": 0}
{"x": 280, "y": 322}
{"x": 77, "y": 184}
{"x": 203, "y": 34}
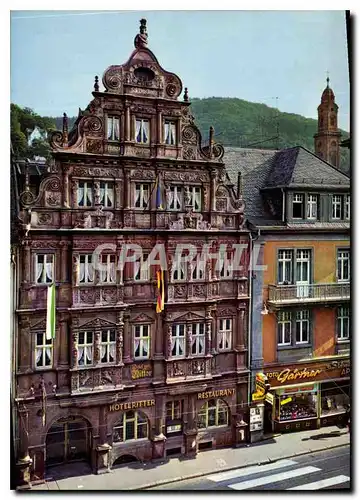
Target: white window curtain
{"x": 110, "y": 129}
{"x": 116, "y": 129}
{"x": 82, "y": 272}
{"x": 145, "y": 195}
{"x": 88, "y": 353}
{"x": 145, "y": 124}
{"x": 171, "y": 199}
{"x": 39, "y": 270}
{"x": 167, "y": 133}
{"x": 88, "y": 196}
{"x": 112, "y": 351}
{"x": 110, "y": 194}
{"x": 177, "y": 196}
{"x": 137, "y": 196}
{"x": 173, "y": 133}
{"x": 102, "y": 194}
{"x": 38, "y": 356}
{"x": 80, "y": 195}
{"x": 104, "y": 348}
{"x": 138, "y": 131}
{"x": 201, "y": 343}
{"x": 80, "y": 353}
{"x": 49, "y": 269}
{"x": 90, "y": 272}
{"x": 48, "y": 356}
{"x": 112, "y": 272}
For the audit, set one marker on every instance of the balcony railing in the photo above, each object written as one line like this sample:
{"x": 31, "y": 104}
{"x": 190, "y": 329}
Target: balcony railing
{"x": 320, "y": 292}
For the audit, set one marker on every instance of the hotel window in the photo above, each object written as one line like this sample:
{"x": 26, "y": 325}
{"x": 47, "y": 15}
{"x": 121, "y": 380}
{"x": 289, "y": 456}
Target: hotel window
{"x": 142, "y": 131}
{"x": 298, "y": 206}
{"x": 284, "y": 328}
{"x": 141, "y": 342}
{"x": 198, "y": 339}
{"x": 86, "y": 269}
{"x": 141, "y": 195}
{"x": 178, "y": 341}
{"x": 108, "y": 273}
{"x": 106, "y": 194}
{"x": 343, "y": 323}
{"x": 195, "y": 197}
{"x": 213, "y": 413}
{"x": 132, "y": 425}
{"x": 224, "y": 334}
{"x": 302, "y": 327}
{"x": 198, "y": 269}
{"x": 347, "y": 207}
{"x": 44, "y": 268}
{"x": 43, "y": 351}
{"x": 336, "y": 207}
{"x": 179, "y": 270}
{"x": 113, "y": 128}
{"x": 141, "y": 268}
{"x": 85, "y": 349}
{"x": 170, "y": 133}
{"x": 107, "y": 346}
{"x": 175, "y": 198}
{"x": 343, "y": 265}
{"x": 174, "y": 415}
{"x": 312, "y": 206}
{"x": 84, "y": 194}
{"x": 225, "y": 265}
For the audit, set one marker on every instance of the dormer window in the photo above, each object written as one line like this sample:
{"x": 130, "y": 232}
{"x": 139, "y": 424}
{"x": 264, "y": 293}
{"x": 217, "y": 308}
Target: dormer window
{"x": 170, "y": 133}
{"x": 312, "y": 206}
{"x": 142, "y": 131}
{"x": 113, "y": 128}
{"x": 336, "y": 206}
{"x": 298, "y": 206}
{"x": 347, "y": 207}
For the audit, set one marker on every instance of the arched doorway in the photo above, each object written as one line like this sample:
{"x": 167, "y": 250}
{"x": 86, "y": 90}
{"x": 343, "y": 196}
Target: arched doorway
{"x": 68, "y": 440}
{"x": 124, "y": 459}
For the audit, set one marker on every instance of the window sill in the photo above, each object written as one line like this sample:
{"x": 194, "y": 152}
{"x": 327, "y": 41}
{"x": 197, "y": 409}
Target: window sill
{"x": 343, "y": 341}
{"x": 130, "y": 441}
{"x": 292, "y": 347}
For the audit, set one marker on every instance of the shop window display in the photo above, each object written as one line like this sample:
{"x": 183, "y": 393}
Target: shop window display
{"x": 334, "y": 398}
{"x": 296, "y": 406}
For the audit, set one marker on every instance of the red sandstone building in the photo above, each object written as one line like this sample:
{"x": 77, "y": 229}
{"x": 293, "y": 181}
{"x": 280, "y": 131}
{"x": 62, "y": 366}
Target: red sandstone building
{"x": 119, "y": 381}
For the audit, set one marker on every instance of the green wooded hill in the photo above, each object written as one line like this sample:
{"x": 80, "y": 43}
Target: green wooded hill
{"x": 249, "y": 124}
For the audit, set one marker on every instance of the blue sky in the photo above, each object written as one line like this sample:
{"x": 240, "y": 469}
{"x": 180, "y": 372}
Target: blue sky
{"x": 253, "y": 55}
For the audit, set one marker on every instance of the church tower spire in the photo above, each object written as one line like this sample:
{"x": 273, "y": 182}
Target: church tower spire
{"x": 327, "y": 138}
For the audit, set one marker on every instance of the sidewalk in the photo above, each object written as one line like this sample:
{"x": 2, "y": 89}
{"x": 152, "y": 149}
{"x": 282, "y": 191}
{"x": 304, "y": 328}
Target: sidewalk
{"x": 142, "y": 476}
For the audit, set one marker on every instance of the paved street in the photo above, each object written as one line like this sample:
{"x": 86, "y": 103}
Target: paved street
{"x": 325, "y": 470}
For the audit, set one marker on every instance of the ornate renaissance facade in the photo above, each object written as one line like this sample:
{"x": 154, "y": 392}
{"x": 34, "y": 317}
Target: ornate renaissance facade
{"x": 120, "y": 381}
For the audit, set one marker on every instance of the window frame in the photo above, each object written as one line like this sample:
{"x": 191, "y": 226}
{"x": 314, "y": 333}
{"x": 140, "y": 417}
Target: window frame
{"x": 302, "y": 317}
{"x": 178, "y": 267}
{"x": 140, "y": 269}
{"x": 196, "y": 196}
{"x": 199, "y": 269}
{"x": 88, "y": 188}
{"x": 284, "y": 318}
{"x": 172, "y": 128}
{"x": 142, "y": 121}
{"x": 198, "y": 333}
{"x": 298, "y": 203}
{"x": 225, "y": 267}
{"x": 87, "y": 279}
{"x": 143, "y": 339}
{"x": 43, "y": 272}
{"x": 106, "y": 277}
{"x": 142, "y": 203}
{"x": 223, "y": 333}
{"x": 179, "y": 191}
{"x": 109, "y": 344}
{"x": 179, "y": 339}
{"x": 107, "y": 187}
{"x": 338, "y": 203}
{"x": 86, "y": 344}
{"x": 310, "y": 203}
{"x": 123, "y": 427}
{"x": 340, "y": 269}
{"x": 204, "y": 410}
{"x": 46, "y": 344}
{"x": 347, "y": 208}
{"x": 114, "y": 119}
{"x": 340, "y": 317}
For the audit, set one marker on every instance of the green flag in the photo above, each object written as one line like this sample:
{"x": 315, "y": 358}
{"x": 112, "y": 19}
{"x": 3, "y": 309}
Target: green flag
{"x": 50, "y": 313}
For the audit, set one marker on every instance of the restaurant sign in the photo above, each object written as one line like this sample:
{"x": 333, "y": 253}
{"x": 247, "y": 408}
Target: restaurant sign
{"x": 141, "y": 371}
{"x": 216, "y": 394}
{"x": 311, "y": 373}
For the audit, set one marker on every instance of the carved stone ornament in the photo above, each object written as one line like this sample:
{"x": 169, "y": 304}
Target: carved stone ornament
{"x": 86, "y": 378}
{"x": 94, "y": 146}
{"x": 98, "y": 172}
{"x": 95, "y": 218}
{"x": 189, "y": 220}
{"x": 142, "y": 174}
{"x": 197, "y": 367}
{"x": 186, "y": 176}
{"x": 225, "y": 313}
{"x": 44, "y": 219}
{"x": 53, "y": 199}
{"x": 189, "y": 153}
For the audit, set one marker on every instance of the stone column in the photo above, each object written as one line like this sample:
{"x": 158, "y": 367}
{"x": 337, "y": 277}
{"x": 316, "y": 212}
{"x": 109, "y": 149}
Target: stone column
{"x": 159, "y": 438}
{"x": 27, "y": 262}
{"x": 191, "y": 445}
{"x": 74, "y": 343}
{"x": 66, "y": 193}
{"x": 122, "y": 127}
{"x": 159, "y": 337}
{"x": 168, "y": 335}
{"x": 240, "y": 328}
{"x": 74, "y": 189}
{"x": 97, "y": 341}
{"x": 127, "y": 339}
{"x": 159, "y": 127}
{"x": 127, "y": 122}
{"x": 188, "y": 339}
{"x": 24, "y": 346}
{"x": 118, "y": 193}
{"x": 64, "y": 261}
{"x": 24, "y": 461}
{"x": 76, "y": 269}
{"x": 63, "y": 347}
{"x": 213, "y": 175}
{"x": 127, "y": 189}
{"x": 103, "y": 449}
{"x": 208, "y": 323}
{"x": 119, "y": 337}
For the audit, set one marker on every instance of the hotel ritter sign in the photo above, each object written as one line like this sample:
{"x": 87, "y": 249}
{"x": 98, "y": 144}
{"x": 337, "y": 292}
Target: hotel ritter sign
{"x": 309, "y": 373}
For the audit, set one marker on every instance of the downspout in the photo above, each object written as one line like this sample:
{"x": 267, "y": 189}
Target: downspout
{"x": 252, "y": 239}
{"x": 283, "y": 204}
